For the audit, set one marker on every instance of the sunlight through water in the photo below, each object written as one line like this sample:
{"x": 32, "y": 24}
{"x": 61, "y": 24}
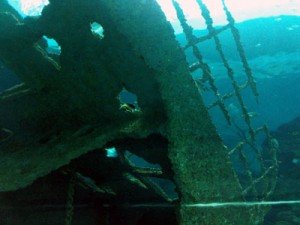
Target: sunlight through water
{"x": 241, "y": 10}
{"x": 29, "y": 7}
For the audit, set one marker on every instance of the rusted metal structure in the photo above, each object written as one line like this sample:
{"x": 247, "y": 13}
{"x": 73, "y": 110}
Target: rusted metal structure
{"x": 67, "y": 106}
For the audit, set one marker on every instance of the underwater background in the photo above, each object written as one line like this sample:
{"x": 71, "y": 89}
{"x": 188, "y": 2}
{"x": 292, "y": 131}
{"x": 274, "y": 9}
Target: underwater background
{"x": 272, "y": 47}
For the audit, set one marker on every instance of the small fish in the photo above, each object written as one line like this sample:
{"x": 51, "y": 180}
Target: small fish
{"x": 129, "y": 107}
{"x": 252, "y": 114}
{"x": 111, "y": 152}
{"x": 258, "y": 45}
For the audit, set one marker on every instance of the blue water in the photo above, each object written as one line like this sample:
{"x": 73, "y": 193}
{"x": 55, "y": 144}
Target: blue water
{"x": 272, "y": 48}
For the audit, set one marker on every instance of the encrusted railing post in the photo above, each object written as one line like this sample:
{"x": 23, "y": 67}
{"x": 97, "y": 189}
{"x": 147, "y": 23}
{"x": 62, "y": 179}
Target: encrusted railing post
{"x": 203, "y": 172}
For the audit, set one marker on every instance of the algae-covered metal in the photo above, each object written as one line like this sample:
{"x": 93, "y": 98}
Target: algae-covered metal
{"x": 69, "y": 106}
